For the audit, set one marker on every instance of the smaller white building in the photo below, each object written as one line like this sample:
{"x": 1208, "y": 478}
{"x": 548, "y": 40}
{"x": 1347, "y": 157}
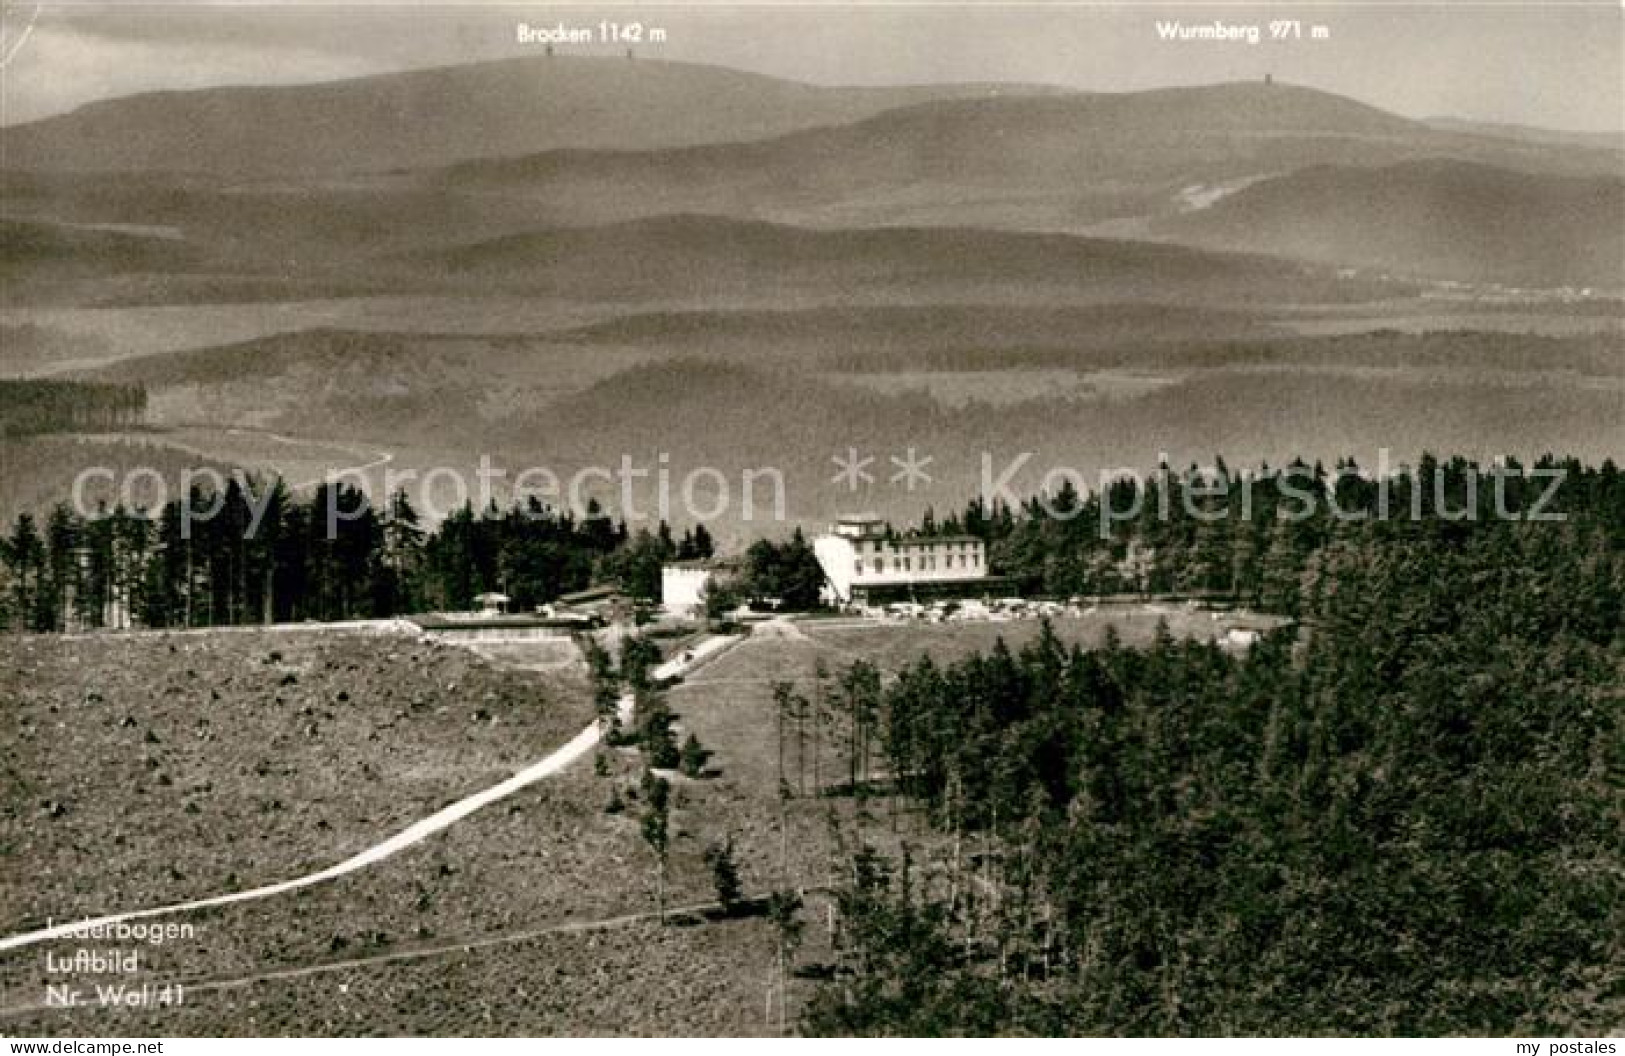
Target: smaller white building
{"x": 1245, "y": 637}
{"x": 683, "y": 585}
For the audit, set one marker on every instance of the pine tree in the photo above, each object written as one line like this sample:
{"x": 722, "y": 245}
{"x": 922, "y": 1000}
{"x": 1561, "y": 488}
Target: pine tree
{"x": 402, "y": 556}
{"x": 656, "y": 831}
{"x": 25, "y": 559}
{"x": 63, "y": 533}
{"x": 719, "y": 857}
{"x": 693, "y": 757}
{"x": 1280, "y": 571}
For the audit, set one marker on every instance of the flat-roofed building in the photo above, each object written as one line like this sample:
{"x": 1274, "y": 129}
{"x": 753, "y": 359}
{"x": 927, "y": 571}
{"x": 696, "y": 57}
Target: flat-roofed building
{"x": 863, "y": 559}
{"x": 606, "y": 602}
{"x": 477, "y": 627}
{"x": 491, "y": 603}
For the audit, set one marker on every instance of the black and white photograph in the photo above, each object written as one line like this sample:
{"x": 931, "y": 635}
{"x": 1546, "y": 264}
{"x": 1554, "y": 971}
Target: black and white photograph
{"x": 812, "y": 520}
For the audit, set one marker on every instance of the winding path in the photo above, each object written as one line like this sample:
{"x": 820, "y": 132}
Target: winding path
{"x": 413, "y": 834}
{"x": 199, "y": 449}
{"x": 382, "y": 458}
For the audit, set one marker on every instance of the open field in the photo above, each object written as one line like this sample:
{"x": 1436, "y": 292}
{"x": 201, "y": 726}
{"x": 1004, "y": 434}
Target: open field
{"x": 153, "y": 768}
{"x": 1007, "y": 388}
{"x": 551, "y": 856}
{"x": 892, "y": 645}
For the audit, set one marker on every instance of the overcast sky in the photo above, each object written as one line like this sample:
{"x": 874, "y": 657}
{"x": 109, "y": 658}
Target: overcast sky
{"x": 1555, "y": 65}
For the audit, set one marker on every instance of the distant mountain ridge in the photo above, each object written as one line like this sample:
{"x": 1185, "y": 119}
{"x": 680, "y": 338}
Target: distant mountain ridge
{"x": 443, "y": 115}
{"x": 1056, "y": 162}
{"x": 512, "y": 113}
{"x": 685, "y": 181}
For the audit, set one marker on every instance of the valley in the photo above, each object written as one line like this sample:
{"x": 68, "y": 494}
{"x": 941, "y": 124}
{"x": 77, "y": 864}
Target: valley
{"x": 804, "y": 268}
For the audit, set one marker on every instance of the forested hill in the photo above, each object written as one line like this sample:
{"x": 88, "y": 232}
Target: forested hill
{"x": 1260, "y": 538}
{"x": 255, "y": 552}
{"x": 30, "y": 407}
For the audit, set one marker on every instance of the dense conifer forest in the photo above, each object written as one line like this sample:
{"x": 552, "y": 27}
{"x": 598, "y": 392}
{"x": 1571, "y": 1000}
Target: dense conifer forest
{"x": 1401, "y": 814}
{"x": 260, "y": 554}
{"x": 29, "y": 406}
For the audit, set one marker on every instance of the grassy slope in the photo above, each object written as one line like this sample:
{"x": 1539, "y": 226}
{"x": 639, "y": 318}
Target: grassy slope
{"x": 36, "y": 473}
{"x": 719, "y": 260}
{"x": 1450, "y": 220}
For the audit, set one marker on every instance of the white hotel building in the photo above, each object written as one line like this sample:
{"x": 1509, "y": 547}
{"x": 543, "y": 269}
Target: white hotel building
{"x": 861, "y": 560}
